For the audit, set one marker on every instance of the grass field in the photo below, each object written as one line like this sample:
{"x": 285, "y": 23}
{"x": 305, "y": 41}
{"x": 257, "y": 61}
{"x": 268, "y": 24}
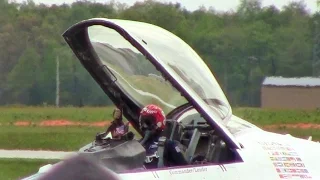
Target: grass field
{"x": 263, "y": 117}
{"x": 257, "y": 116}
{"x": 36, "y": 114}
{"x": 46, "y": 138}
{"x": 19, "y": 168}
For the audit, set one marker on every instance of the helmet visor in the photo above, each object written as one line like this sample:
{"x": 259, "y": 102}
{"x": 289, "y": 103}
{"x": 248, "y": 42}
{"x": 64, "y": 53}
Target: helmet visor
{"x": 147, "y": 122}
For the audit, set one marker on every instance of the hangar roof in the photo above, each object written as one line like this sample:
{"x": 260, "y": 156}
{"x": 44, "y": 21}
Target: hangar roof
{"x": 293, "y": 81}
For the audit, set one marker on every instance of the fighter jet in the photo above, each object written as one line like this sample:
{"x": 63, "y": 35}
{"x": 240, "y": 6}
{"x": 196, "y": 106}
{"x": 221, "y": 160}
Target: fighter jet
{"x": 137, "y": 64}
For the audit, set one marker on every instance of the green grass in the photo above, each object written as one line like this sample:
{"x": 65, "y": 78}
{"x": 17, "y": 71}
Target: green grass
{"x": 263, "y": 117}
{"x": 46, "y": 138}
{"x": 12, "y": 169}
{"x": 36, "y": 114}
{"x": 91, "y": 114}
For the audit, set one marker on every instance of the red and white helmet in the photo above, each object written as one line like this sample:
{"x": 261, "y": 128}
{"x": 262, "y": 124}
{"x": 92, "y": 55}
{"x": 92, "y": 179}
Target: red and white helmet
{"x": 152, "y": 117}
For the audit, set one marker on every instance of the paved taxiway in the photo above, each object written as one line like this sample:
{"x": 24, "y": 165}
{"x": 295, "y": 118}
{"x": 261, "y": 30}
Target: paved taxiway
{"x": 30, "y": 154}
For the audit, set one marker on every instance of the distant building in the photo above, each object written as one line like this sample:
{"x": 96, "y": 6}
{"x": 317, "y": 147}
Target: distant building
{"x": 290, "y": 93}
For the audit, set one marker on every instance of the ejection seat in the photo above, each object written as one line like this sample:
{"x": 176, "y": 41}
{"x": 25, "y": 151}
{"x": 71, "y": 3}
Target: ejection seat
{"x": 188, "y": 136}
{"x": 171, "y": 133}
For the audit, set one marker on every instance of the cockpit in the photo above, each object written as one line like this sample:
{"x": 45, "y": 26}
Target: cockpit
{"x": 201, "y": 143}
{"x": 138, "y": 64}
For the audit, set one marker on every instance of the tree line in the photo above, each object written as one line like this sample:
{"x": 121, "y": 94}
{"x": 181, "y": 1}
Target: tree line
{"x": 240, "y": 47}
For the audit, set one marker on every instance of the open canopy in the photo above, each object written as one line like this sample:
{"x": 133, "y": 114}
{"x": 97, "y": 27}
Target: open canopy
{"x": 138, "y": 63}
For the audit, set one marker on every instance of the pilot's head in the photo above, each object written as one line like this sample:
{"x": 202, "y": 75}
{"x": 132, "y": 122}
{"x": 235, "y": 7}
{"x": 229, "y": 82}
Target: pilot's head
{"x": 152, "y": 118}
{"x": 117, "y": 114}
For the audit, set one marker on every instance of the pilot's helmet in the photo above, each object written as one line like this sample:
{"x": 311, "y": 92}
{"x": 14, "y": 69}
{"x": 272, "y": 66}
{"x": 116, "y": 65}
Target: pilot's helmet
{"x": 151, "y": 118}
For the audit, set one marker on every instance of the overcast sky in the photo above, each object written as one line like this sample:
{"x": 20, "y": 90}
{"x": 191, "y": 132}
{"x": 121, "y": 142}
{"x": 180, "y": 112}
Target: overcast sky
{"x": 220, "y": 5}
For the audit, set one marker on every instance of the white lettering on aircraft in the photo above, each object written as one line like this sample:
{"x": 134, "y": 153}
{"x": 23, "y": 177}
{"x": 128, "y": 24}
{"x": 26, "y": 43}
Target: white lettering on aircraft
{"x": 188, "y": 170}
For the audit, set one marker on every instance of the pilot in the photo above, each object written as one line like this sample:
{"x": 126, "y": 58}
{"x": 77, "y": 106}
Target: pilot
{"x": 117, "y": 128}
{"x": 152, "y": 123}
